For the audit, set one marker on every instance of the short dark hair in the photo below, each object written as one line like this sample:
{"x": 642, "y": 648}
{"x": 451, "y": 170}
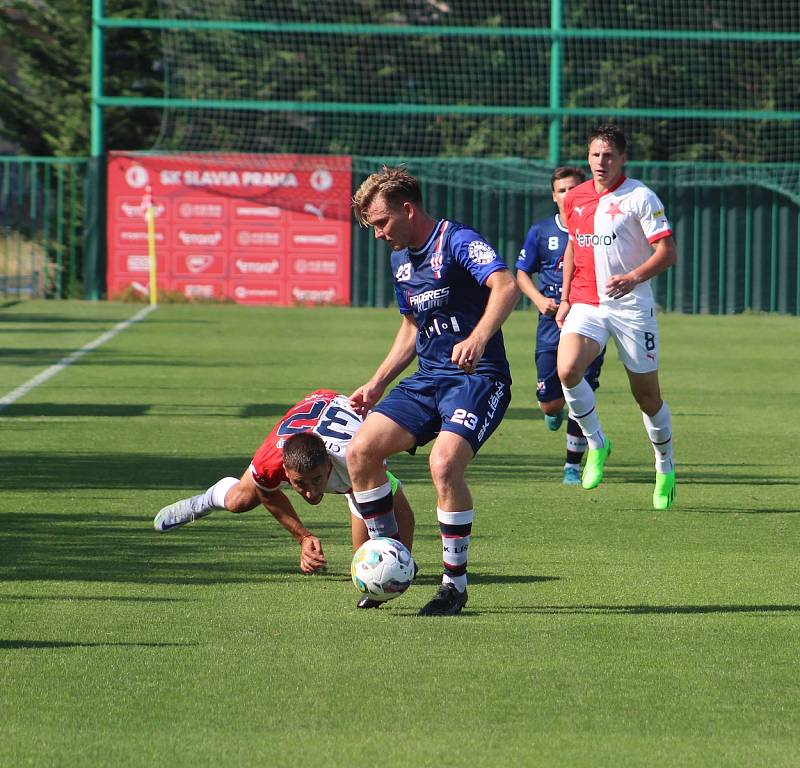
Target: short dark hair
{"x": 565, "y": 172}
{"x": 610, "y": 134}
{"x": 304, "y": 452}
{"x": 395, "y": 185}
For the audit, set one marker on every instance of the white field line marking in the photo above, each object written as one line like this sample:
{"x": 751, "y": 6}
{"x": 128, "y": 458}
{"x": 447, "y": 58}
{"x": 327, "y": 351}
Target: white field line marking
{"x": 48, "y": 373}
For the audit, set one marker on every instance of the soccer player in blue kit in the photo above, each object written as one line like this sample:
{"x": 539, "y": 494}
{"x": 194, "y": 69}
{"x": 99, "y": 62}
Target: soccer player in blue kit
{"x": 454, "y": 292}
{"x": 543, "y": 254}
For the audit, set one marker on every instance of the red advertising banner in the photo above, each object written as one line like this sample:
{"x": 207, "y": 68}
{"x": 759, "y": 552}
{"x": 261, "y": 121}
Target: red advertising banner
{"x": 257, "y": 229}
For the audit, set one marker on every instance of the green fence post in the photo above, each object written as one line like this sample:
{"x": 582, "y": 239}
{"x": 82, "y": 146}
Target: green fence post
{"x": 60, "y": 232}
{"x": 722, "y": 242}
{"x": 748, "y": 247}
{"x": 773, "y": 257}
{"x": 94, "y": 253}
{"x": 46, "y": 249}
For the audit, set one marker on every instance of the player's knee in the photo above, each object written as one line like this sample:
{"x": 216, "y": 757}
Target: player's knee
{"x": 649, "y": 403}
{"x": 444, "y": 470}
{"x": 358, "y": 455}
{"x": 552, "y": 407}
{"x": 569, "y": 373}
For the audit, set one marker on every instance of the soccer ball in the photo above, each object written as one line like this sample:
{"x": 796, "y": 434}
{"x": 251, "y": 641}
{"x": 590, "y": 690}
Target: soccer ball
{"x": 382, "y": 568}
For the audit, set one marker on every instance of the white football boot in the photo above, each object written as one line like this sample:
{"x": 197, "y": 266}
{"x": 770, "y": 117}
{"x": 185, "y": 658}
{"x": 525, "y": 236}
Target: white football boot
{"x": 180, "y": 513}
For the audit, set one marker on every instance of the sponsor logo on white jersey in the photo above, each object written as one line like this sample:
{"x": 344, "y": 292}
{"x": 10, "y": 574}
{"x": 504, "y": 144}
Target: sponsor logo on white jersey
{"x": 591, "y": 240}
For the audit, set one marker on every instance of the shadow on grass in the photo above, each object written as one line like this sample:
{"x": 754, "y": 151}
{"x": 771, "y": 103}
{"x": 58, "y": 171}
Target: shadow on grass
{"x": 34, "y": 471}
{"x": 73, "y": 410}
{"x": 104, "y": 471}
{"x": 44, "y": 318}
{"x": 611, "y": 610}
{"x": 636, "y": 610}
{"x": 269, "y": 411}
{"x": 12, "y": 598}
{"x": 49, "y": 644}
{"x": 51, "y": 547}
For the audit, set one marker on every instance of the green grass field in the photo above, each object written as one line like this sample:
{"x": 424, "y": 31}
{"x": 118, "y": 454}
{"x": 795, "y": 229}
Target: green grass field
{"x": 598, "y": 632}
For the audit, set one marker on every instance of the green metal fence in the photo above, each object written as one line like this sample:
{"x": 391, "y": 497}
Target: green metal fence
{"x": 41, "y": 226}
{"x": 738, "y": 245}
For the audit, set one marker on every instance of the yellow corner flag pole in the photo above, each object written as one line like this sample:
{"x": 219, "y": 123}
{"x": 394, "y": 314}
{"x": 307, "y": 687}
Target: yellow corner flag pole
{"x": 150, "y": 217}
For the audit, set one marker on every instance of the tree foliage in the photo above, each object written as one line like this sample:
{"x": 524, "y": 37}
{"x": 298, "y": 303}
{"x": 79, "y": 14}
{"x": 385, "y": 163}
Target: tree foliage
{"x": 45, "y": 80}
{"x": 46, "y": 96}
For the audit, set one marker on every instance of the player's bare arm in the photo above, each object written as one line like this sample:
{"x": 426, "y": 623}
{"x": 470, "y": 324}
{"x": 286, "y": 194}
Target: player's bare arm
{"x": 503, "y": 297}
{"x": 568, "y": 269}
{"x": 544, "y": 304}
{"x": 664, "y": 255}
{"x": 312, "y": 558}
{"x": 402, "y": 352}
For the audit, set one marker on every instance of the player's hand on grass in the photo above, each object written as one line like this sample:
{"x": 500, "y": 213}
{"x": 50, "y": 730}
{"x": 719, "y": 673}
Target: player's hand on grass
{"x": 312, "y": 558}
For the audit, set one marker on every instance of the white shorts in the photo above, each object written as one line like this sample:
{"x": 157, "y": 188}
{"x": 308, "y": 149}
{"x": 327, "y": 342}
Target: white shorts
{"x": 634, "y": 330}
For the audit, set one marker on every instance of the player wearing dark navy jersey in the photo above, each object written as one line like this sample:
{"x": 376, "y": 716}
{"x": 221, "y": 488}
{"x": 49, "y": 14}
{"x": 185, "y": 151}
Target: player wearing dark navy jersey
{"x": 453, "y": 292}
{"x": 543, "y": 255}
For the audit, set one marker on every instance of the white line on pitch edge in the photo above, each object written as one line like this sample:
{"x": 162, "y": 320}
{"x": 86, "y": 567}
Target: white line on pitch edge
{"x": 48, "y": 373}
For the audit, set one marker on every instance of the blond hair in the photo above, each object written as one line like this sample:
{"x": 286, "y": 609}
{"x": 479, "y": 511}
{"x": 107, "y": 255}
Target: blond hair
{"x": 395, "y": 185}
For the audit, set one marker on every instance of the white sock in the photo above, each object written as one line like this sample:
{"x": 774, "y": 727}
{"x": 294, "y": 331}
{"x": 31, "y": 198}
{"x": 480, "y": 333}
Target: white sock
{"x": 659, "y": 430}
{"x": 456, "y": 531}
{"x": 214, "y": 497}
{"x": 581, "y": 402}
{"x": 377, "y": 510}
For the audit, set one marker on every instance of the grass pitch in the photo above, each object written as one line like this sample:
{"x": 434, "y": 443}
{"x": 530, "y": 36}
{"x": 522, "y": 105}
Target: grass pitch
{"x": 598, "y": 632}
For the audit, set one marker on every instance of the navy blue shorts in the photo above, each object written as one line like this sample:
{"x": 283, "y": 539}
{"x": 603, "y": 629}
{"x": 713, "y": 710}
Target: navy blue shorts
{"x": 469, "y": 405}
{"x": 548, "y": 386}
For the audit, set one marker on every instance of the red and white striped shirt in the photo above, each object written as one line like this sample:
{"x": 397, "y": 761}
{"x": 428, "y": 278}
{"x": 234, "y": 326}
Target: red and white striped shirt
{"x": 612, "y": 233}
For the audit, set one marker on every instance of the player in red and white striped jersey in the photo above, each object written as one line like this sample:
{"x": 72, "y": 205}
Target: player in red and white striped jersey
{"x": 306, "y": 450}
{"x": 619, "y": 239}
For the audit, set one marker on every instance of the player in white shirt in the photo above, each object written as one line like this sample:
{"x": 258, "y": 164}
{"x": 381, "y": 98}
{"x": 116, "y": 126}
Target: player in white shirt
{"x": 619, "y": 239}
{"x": 307, "y": 451}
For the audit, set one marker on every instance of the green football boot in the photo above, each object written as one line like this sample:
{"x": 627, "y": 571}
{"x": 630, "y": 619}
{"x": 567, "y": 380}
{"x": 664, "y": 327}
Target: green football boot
{"x": 593, "y": 470}
{"x": 664, "y": 493}
{"x": 554, "y": 422}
